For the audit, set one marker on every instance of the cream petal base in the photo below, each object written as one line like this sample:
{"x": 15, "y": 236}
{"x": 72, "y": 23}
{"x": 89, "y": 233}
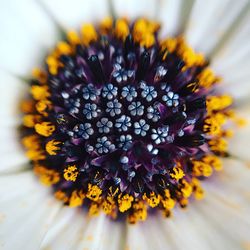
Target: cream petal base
{"x": 27, "y": 211}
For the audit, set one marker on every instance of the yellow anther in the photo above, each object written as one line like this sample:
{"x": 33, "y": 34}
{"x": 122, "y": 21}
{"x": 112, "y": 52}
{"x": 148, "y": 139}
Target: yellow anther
{"x": 73, "y": 38}
{"x": 219, "y": 145}
{"x": 125, "y": 202}
{"x": 153, "y": 199}
{"x": 212, "y": 126}
{"x": 183, "y": 203}
{"x": 213, "y": 161}
{"x": 63, "y": 48}
{"x": 144, "y": 32}
{"x": 108, "y": 206}
{"x": 94, "y": 192}
{"x": 53, "y": 63}
{"x": 186, "y": 188}
{"x": 76, "y": 198}
{"x": 139, "y": 212}
{"x": 31, "y": 142}
{"x": 31, "y": 120}
{"x": 169, "y": 44}
{"x": 46, "y": 176}
{"x": 94, "y": 209}
{"x": 27, "y": 106}
{"x": 197, "y": 189}
{"x": 42, "y": 107}
{"x": 177, "y": 173}
{"x": 60, "y": 195}
{"x": 52, "y": 147}
{"x": 167, "y": 202}
{"x": 216, "y": 103}
{"x": 70, "y": 173}
{"x": 106, "y": 25}
{"x": 88, "y": 34}
{"x": 40, "y": 92}
{"x": 201, "y": 168}
{"x": 148, "y": 40}
{"x": 45, "y": 128}
{"x": 36, "y": 154}
{"x": 40, "y": 75}
{"x": 188, "y": 55}
{"x": 121, "y": 29}
{"x": 207, "y": 78}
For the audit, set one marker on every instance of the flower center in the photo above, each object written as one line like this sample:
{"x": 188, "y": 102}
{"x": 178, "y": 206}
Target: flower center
{"x": 122, "y": 121}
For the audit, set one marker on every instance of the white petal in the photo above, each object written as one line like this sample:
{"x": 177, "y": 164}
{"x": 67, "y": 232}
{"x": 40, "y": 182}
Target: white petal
{"x": 173, "y": 15}
{"x": 135, "y": 8}
{"x": 231, "y": 61}
{"x": 27, "y": 32}
{"x": 71, "y": 14}
{"x": 11, "y": 92}
{"x": 210, "y": 21}
{"x": 66, "y": 231}
{"x": 27, "y": 210}
{"x": 74, "y": 229}
{"x": 239, "y": 143}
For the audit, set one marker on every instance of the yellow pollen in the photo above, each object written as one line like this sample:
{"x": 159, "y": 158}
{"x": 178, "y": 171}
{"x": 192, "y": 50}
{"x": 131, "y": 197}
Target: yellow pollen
{"x": 60, "y": 195}
{"x": 36, "y": 154}
{"x": 217, "y": 103}
{"x": 40, "y": 92}
{"x": 186, "y": 188}
{"x": 40, "y": 75}
{"x": 27, "y": 106}
{"x": 121, "y": 29}
{"x": 189, "y": 56}
{"x": 94, "y": 192}
{"x": 73, "y": 38}
{"x": 219, "y": 145}
{"x": 125, "y": 202}
{"x": 52, "y": 147}
{"x": 213, "y": 161}
{"x": 106, "y": 25}
{"x": 212, "y": 126}
{"x": 167, "y": 202}
{"x": 76, "y": 198}
{"x": 31, "y": 120}
{"x": 108, "y": 206}
{"x": 63, "y": 48}
{"x": 94, "y": 209}
{"x": 46, "y": 176}
{"x": 42, "y": 106}
{"x": 197, "y": 189}
{"x": 31, "y": 142}
{"x": 53, "y": 63}
{"x": 169, "y": 44}
{"x": 45, "y": 128}
{"x": 70, "y": 173}
{"x": 139, "y": 212}
{"x": 201, "y": 168}
{"x": 207, "y": 78}
{"x": 177, "y": 173}
{"x": 183, "y": 203}
{"x": 88, "y": 34}
{"x": 153, "y": 200}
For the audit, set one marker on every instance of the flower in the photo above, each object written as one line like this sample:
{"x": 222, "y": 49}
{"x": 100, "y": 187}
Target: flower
{"x": 29, "y": 209}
